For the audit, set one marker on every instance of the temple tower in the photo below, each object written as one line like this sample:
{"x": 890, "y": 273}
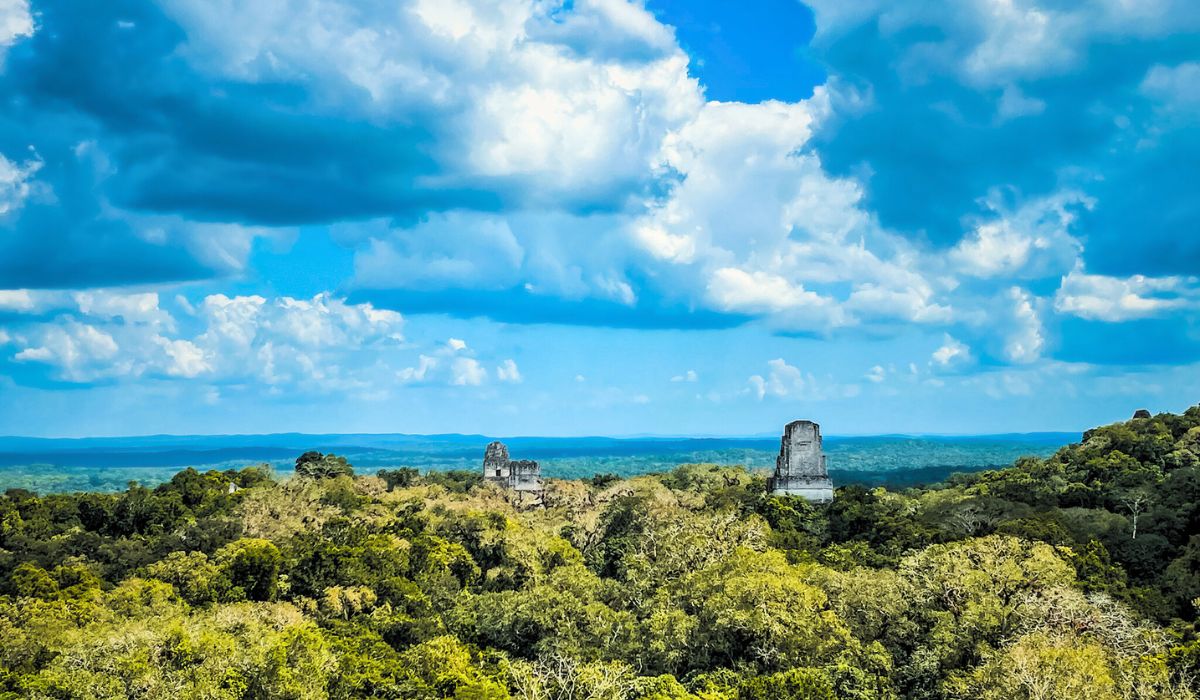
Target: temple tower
{"x": 518, "y": 475}
{"x": 800, "y": 467}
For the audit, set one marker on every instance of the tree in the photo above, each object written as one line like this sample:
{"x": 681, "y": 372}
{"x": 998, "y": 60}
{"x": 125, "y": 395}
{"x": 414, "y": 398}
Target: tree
{"x": 398, "y": 478}
{"x": 314, "y": 465}
{"x": 1182, "y": 578}
{"x": 1040, "y": 667}
{"x": 250, "y": 566}
{"x": 1135, "y": 502}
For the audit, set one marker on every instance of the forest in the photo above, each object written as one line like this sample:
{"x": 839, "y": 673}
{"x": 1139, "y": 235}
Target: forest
{"x": 1072, "y": 576}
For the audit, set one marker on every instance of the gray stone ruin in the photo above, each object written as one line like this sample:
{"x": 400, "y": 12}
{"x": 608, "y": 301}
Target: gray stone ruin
{"x": 518, "y": 474}
{"x": 800, "y": 466}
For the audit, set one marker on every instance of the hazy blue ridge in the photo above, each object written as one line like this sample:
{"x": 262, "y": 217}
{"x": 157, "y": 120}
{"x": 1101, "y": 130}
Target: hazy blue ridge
{"x": 108, "y": 464}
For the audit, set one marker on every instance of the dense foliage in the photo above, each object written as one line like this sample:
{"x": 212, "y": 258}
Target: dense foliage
{"x": 1075, "y": 576}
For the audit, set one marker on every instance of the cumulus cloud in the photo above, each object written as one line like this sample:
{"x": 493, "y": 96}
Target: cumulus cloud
{"x": 82, "y": 352}
{"x": 452, "y": 364}
{"x": 1025, "y": 339}
{"x": 1022, "y": 96}
{"x": 732, "y": 289}
{"x": 952, "y": 354}
{"x": 509, "y": 372}
{"x": 757, "y": 226}
{"x": 15, "y": 22}
{"x": 282, "y": 342}
{"x": 15, "y": 179}
{"x": 1113, "y": 299}
{"x": 751, "y": 225}
{"x": 535, "y": 99}
{"x": 993, "y": 43}
{"x": 139, "y": 307}
{"x": 21, "y": 300}
{"x": 466, "y": 371}
{"x": 785, "y": 381}
{"x": 546, "y": 162}
{"x": 1033, "y": 241}
{"x": 185, "y": 358}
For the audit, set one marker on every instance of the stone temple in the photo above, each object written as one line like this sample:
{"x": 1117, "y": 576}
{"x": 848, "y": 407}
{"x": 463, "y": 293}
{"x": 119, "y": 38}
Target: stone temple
{"x": 518, "y": 475}
{"x": 800, "y": 466}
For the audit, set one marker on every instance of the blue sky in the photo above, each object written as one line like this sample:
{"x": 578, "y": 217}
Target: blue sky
{"x": 596, "y": 217}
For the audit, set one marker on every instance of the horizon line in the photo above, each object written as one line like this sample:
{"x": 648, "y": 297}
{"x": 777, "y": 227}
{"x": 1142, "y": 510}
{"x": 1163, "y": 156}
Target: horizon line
{"x": 628, "y": 436}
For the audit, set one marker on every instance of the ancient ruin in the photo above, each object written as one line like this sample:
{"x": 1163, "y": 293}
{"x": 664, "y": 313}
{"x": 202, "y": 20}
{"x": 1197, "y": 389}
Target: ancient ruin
{"x": 518, "y": 475}
{"x": 800, "y": 466}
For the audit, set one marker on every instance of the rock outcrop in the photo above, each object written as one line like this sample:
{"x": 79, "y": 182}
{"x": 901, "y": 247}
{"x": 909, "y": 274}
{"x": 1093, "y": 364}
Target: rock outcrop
{"x": 518, "y": 475}
{"x": 800, "y": 467}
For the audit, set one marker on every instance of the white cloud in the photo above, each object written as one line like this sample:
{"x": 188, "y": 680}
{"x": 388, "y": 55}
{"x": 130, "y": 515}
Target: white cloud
{"x": 1033, "y": 241}
{"x": 689, "y": 376}
{"x": 141, "y": 307}
{"x": 301, "y": 344}
{"x": 466, "y": 371}
{"x": 752, "y": 225}
{"x": 509, "y": 372}
{"x": 82, "y": 352}
{"x": 1026, "y": 339}
{"x": 16, "y": 179}
{"x": 1115, "y": 299}
{"x": 538, "y": 251}
{"x": 786, "y": 381}
{"x": 559, "y": 112}
{"x": 20, "y": 300}
{"x": 914, "y": 303}
{"x": 756, "y": 226}
{"x": 425, "y": 364}
{"x": 452, "y": 364}
{"x": 995, "y": 42}
{"x": 731, "y": 289}
{"x": 186, "y": 358}
{"x": 951, "y": 354}
{"x": 876, "y": 374}
{"x": 536, "y": 100}
{"x": 16, "y": 22}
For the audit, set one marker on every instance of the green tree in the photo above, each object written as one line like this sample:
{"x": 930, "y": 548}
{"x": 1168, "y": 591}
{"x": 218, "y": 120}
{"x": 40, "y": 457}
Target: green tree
{"x": 314, "y": 465}
{"x": 251, "y": 569}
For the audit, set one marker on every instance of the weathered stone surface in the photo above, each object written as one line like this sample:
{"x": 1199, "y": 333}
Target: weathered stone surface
{"x": 1141, "y": 413}
{"x": 495, "y": 461}
{"x": 525, "y": 475}
{"x": 519, "y": 475}
{"x": 800, "y": 467}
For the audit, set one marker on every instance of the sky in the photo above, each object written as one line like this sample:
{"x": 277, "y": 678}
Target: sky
{"x": 596, "y": 217}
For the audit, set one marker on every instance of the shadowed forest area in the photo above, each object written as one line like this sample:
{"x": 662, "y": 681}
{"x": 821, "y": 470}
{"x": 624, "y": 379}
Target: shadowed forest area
{"x": 1072, "y": 576}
